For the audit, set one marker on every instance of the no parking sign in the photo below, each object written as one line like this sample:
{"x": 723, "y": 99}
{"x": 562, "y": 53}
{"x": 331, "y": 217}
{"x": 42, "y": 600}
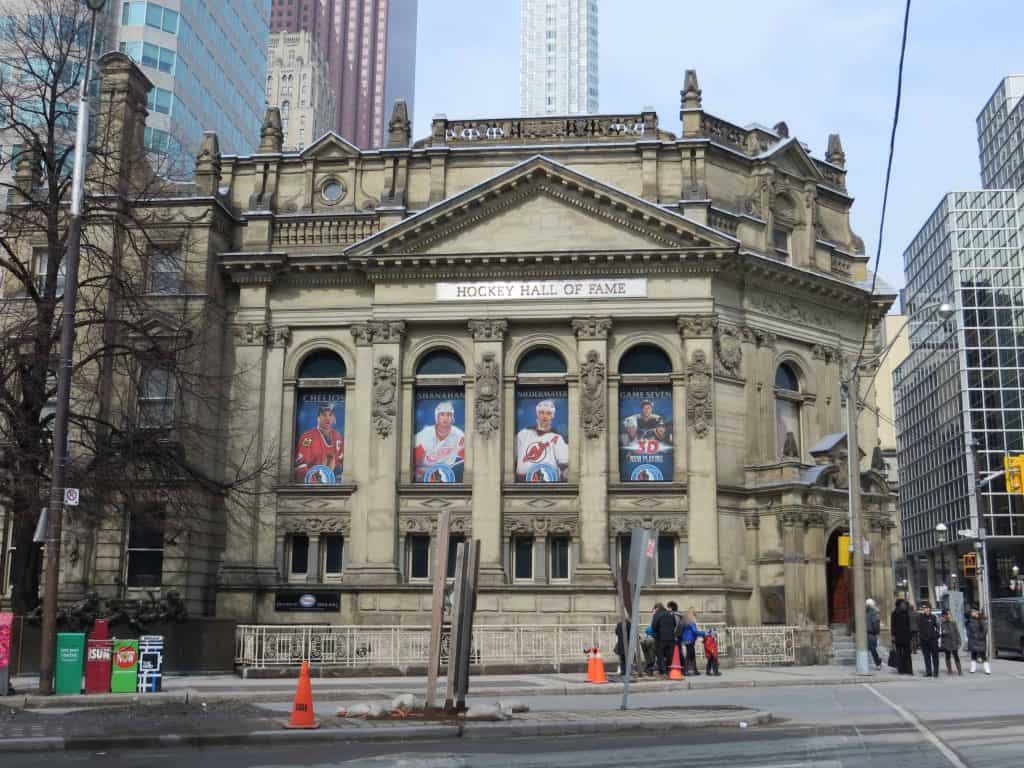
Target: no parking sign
{"x": 71, "y": 497}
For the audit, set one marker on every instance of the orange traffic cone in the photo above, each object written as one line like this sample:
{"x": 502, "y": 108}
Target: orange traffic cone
{"x": 302, "y": 709}
{"x": 675, "y": 669}
{"x": 595, "y": 668}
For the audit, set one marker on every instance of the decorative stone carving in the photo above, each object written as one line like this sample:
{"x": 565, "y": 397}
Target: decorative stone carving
{"x": 826, "y": 353}
{"x": 699, "y": 410}
{"x": 729, "y": 350}
{"x": 790, "y": 449}
{"x": 592, "y": 328}
{"x": 592, "y": 400}
{"x": 378, "y": 332}
{"x": 677, "y": 524}
{"x": 487, "y": 400}
{"x": 790, "y": 310}
{"x": 252, "y": 334}
{"x": 281, "y": 336}
{"x": 698, "y": 326}
{"x": 308, "y": 524}
{"x": 428, "y": 524}
{"x": 752, "y": 522}
{"x": 488, "y": 330}
{"x": 791, "y": 518}
{"x": 362, "y": 334}
{"x": 540, "y": 525}
{"x": 385, "y": 393}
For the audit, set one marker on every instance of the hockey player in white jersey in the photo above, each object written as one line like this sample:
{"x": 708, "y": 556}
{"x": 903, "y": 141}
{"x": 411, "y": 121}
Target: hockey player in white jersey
{"x": 440, "y": 448}
{"x": 542, "y": 454}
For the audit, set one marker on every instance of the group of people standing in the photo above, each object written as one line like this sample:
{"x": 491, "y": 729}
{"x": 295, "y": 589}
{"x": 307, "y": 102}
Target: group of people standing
{"x": 913, "y": 629}
{"x": 670, "y": 629}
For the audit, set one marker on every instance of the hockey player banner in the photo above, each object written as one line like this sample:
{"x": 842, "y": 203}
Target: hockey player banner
{"x": 645, "y": 434}
{"x": 439, "y": 449}
{"x": 542, "y": 428}
{"x": 320, "y": 436}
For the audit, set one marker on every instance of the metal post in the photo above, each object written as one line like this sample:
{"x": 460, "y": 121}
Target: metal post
{"x": 48, "y": 633}
{"x": 983, "y": 586}
{"x": 856, "y": 523}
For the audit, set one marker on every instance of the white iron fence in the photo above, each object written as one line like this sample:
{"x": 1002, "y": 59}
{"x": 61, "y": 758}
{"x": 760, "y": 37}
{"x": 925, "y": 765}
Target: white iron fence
{"x": 399, "y": 647}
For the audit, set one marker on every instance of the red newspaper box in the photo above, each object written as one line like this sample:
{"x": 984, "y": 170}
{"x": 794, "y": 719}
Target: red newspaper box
{"x": 99, "y": 650}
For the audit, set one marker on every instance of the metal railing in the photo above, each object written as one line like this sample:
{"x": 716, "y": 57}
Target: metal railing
{"x": 399, "y": 647}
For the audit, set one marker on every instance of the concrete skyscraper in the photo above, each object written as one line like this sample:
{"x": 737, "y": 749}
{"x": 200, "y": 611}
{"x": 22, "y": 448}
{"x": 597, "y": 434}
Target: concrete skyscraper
{"x": 558, "y": 57}
{"x": 370, "y": 47}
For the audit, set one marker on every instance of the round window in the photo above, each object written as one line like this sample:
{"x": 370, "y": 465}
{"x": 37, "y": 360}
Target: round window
{"x": 332, "y": 190}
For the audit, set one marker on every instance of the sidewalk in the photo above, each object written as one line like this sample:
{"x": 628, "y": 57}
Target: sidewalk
{"x": 169, "y": 724}
{"x": 228, "y": 688}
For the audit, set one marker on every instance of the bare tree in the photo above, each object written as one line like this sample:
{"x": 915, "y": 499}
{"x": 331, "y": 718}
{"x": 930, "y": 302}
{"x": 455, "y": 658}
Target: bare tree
{"x": 147, "y": 418}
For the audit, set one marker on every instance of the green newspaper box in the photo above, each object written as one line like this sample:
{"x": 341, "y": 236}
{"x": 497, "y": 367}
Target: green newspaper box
{"x": 124, "y": 675}
{"x": 70, "y": 662}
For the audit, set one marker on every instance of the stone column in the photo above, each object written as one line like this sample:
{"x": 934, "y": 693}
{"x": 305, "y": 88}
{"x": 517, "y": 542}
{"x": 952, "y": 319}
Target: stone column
{"x": 277, "y": 340}
{"x": 702, "y": 470}
{"x": 485, "y": 443}
{"x": 816, "y": 584}
{"x": 753, "y": 524}
{"x": 592, "y": 356}
{"x": 375, "y": 470}
{"x": 793, "y": 565}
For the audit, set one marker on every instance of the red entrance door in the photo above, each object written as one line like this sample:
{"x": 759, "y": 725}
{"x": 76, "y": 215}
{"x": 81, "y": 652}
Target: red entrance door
{"x": 838, "y": 583}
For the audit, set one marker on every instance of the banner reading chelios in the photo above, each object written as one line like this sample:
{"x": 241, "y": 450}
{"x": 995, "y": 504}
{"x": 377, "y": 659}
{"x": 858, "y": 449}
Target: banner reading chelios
{"x": 320, "y": 441}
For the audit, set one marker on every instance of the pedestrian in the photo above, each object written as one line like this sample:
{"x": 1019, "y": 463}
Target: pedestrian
{"x": 649, "y": 650}
{"x": 711, "y": 652}
{"x": 899, "y": 624}
{"x": 928, "y": 636}
{"x": 680, "y": 621}
{"x": 622, "y": 630}
{"x": 874, "y": 627}
{"x": 949, "y": 641}
{"x": 664, "y": 626}
{"x": 977, "y": 640}
{"x": 690, "y": 634}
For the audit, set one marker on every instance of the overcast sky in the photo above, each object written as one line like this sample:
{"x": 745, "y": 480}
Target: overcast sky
{"x": 823, "y": 67}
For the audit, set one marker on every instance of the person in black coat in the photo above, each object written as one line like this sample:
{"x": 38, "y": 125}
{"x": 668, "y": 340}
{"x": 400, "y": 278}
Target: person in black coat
{"x": 899, "y": 623}
{"x": 622, "y": 644}
{"x": 928, "y": 636}
{"x": 663, "y": 626}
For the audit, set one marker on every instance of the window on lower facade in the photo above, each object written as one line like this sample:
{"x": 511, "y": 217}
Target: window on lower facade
{"x": 561, "y": 547}
{"x": 145, "y": 552}
{"x": 522, "y": 558}
{"x": 780, "y": 242}
{"x": 331, "y": 548}
{"x": 418, "y": 546}
{"x": 166, "y": 271}
{"x": 156, "y": 398}
{"x": 298, "y": 556}
{"x": 666, "y": 558}
{"x": 624, "y": 543}
{"x": 453, "y": 550}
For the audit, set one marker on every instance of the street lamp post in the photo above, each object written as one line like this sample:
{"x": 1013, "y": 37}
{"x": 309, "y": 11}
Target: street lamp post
{"x": 941, "y": 535}
{"x": 48, "y": 634}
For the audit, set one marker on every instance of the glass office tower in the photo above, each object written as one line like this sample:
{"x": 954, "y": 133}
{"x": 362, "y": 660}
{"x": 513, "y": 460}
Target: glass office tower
{"x": 959, "y": 393}
{"x": 1001, "y": 136}
{"x": 207, "y": 62}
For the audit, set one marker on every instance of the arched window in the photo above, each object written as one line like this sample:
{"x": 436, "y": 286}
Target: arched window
{"x": 319, "y": 419}
{"x": 439, "y": 418}
{"x": 646, "y": 438}
{"x": 286, "y": 109}
{"x": 787, "y": 412}
{"x": 542, "y": 418}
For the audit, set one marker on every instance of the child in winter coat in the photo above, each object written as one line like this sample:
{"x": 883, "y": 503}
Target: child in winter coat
{"x": 711, "y": 652}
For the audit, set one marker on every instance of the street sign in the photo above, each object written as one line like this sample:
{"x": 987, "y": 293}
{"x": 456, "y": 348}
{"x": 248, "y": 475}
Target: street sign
{"x": 71, "y": 497}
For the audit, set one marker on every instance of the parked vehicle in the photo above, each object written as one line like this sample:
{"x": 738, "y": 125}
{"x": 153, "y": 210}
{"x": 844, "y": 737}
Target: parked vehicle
{"x": 1007, "y": 625}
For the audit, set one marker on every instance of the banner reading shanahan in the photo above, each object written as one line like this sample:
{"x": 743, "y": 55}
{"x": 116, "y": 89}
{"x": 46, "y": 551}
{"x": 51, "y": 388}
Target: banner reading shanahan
{"x": 533, "y": 290}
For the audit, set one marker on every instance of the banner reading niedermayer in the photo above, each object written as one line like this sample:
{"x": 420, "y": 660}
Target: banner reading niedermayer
{"x": 531, "y": 290}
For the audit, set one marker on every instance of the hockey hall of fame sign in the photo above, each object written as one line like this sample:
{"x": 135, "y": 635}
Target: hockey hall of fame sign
{"x": 533, "y": 290}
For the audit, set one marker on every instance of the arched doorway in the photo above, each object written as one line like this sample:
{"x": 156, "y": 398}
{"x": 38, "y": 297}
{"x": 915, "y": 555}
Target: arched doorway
{"x": 838, "y": 582}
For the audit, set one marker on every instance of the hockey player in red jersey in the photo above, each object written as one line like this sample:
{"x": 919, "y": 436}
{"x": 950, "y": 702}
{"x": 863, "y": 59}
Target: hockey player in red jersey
{"x": 321, "y": 447}
{"x": 440, "y": 448}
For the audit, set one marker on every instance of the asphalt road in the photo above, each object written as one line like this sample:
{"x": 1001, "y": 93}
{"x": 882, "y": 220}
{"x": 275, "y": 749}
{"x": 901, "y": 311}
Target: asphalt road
{"x": 974, "y": 721}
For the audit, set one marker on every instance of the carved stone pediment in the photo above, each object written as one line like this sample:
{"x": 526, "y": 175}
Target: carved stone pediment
{"x": 413, "y": 523}
{"x": 677, "y": 524}
{"x": 541, "y": 525}
{"x": 314, "y": 524}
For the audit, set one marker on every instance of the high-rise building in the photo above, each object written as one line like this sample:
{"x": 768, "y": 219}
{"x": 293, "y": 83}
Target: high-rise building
{"x": 299, "y": 84}
{"x": 370, "y": 47}
{"x": 558, "y": 57}
{"x": 1001, "y": 136}
{"x": 960, "y": 392}
{"x": 207, "y": 62}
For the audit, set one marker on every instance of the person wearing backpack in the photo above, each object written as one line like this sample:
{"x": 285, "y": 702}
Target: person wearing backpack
{"x": 663, "y": 627}
{"x": 689, "y": 637}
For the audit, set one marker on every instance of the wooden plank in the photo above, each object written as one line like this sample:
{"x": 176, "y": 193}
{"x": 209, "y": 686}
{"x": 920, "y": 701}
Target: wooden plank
{"x": 437, "y": 607}
{"x": 466, "y": 631}
{"x": 453, "y": 642}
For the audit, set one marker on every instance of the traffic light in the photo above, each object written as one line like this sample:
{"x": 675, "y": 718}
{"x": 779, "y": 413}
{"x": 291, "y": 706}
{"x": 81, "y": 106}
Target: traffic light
{"x": 969, "y": 564}
{"x": 1013, "y": 466}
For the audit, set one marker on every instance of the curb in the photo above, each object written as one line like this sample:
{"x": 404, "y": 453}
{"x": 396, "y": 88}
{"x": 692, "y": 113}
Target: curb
{"x": 191, "y": 695}
{"x": 470, "y": 730}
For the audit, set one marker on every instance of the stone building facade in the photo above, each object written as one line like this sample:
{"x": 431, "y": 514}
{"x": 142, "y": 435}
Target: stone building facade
{"x": 556, "y": 330}
{"x": 299, "y": 85}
